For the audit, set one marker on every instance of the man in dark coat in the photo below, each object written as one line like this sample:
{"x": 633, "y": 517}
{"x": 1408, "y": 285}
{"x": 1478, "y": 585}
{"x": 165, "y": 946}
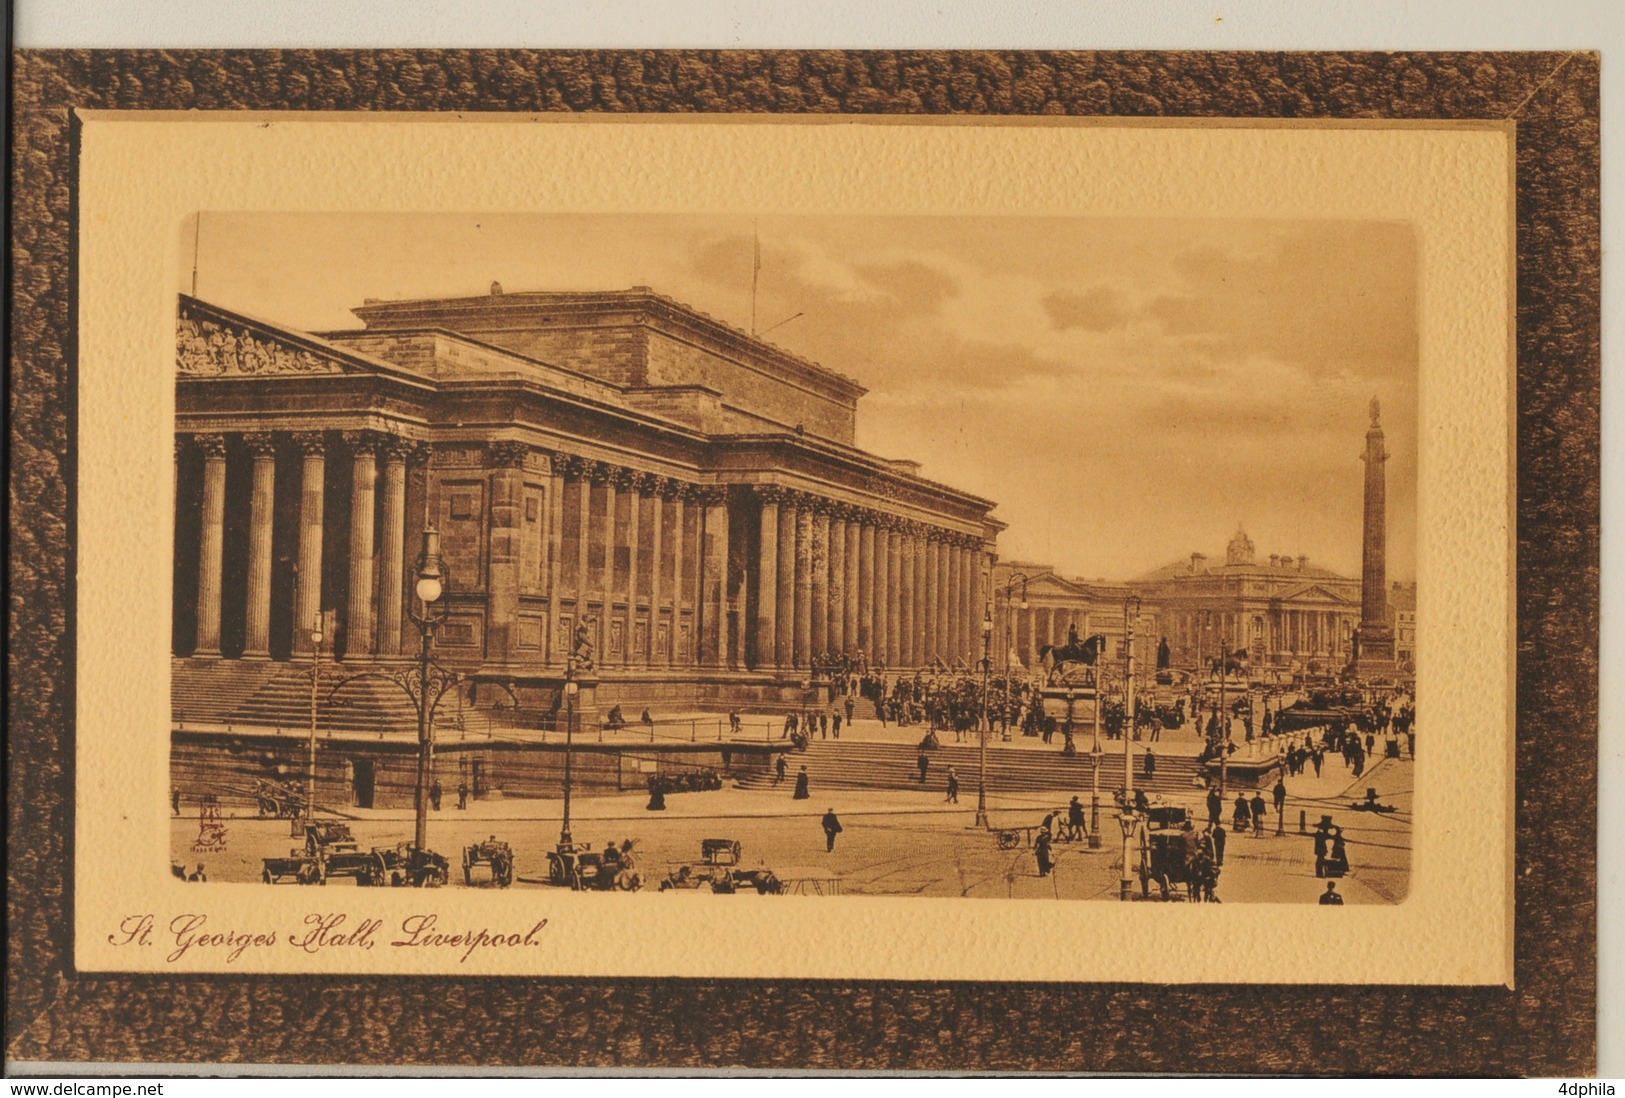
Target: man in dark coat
{"x": 1075, "y": 828}
{"x": 953, "y": 787}
{"x": 924, "y": 764}
{"x": 1150, "y": 763}
{"x": 1259, "y": 808}
{"x": 435, "y": 793}
{"x": 801, "y": 793}
{"x": 832, "y": 828}
{"x": 1219, "y": 837}
{"x": 1323, "y": 838}
{"x": 1042, "y": 852}
{"x": 1279, "y": 795}
{"x": 1215, "y": 807}
{"x": 778, "y": 770}
{"x": 1243, "y": 816}
{"x": 1330, "y": 898}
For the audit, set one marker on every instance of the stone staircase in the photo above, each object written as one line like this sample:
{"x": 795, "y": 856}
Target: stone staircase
{"x": 206, "y": 691}
{"x": 852, "y": 765}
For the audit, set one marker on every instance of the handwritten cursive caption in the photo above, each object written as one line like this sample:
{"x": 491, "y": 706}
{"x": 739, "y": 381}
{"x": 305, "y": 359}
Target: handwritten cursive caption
{"x": 194, "y": 936}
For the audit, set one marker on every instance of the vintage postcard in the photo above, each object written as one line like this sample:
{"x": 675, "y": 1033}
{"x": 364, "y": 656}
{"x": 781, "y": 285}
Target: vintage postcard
{"x": 665, "y": 529}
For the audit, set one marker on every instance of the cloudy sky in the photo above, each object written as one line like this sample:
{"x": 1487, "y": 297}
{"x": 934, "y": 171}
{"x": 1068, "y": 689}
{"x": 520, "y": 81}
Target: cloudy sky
{"x": 1129, "y": 391}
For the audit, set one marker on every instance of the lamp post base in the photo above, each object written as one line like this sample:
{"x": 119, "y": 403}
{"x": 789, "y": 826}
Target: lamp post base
{"x": 1094, "y": 840}
{"x": 981, "y": 819}
{"x": 1126, "y": 893}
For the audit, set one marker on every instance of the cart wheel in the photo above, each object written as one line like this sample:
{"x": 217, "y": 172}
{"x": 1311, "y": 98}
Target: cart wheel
{"x": 555, "y": 870}
{"x": 468, "y": 875}
{"x": 265, "y": 875}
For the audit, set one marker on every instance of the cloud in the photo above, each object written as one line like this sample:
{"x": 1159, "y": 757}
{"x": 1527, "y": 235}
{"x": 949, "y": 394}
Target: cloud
{"x": 1097, "y": 309}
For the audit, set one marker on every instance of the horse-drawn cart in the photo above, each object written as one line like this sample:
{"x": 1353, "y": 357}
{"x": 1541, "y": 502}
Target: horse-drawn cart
{"x": 496, "y": 856}
{"x": 1172, "y": 854}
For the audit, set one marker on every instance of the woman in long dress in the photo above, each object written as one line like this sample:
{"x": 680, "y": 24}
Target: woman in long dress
{"x": 802, "y": 792}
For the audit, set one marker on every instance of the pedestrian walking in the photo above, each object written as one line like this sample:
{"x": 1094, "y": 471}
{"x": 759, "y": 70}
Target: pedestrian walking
{"x": 851, "y": 707}
{"x": 1150, "y": 763}
{"x": 778, "y": 770}
{"x": 462, "y": 795}
{"x": 1242, "y": 817}
{"x": 1219, "y": 838}
{"x": 1215, "y": 807}
{"x": 953, "y": 787}
{"x": 832, "y": 828}
{"x": 1279, "y": 794}
{"x": 1075, "y": 828}
{"x": 835, "y": 725}
{"x": 735, "y": 726}
{"x": 435, "y": 793}
{"x": 1259, "y": 809}
{"x": 924, "y": 763}
{"x": 802, "y": 793}
{"x": 1042, "y": 852}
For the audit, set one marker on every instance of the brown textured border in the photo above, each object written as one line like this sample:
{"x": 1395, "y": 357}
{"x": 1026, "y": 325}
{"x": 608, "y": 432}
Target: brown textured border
{"x": 1546, "y": 1027}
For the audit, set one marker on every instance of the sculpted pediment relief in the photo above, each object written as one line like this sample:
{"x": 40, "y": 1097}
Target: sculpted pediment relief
{"x": 211, "y": 348}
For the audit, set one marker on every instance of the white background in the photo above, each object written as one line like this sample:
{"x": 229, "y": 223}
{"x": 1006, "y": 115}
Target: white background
{"x": 1236, "y": 24}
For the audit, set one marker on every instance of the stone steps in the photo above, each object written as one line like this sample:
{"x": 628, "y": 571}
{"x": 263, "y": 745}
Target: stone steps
{"x": 853, "y": 765}
{"x": 207, "y": 690}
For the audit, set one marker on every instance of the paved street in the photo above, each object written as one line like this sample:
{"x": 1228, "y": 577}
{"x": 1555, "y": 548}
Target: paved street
{"x": 905, "y": 842}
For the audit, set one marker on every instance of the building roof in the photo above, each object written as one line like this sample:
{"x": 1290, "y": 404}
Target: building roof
{"x": 1281, "y": 567}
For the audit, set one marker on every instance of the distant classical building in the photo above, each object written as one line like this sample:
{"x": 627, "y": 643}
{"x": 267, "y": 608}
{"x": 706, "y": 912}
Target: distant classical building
{"x": 1284, "y": 610}
{"x": 1402, "y": 616}
{"x": 692, "y": 494}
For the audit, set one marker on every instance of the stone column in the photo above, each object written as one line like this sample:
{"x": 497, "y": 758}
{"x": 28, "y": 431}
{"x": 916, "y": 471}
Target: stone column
{"x": 211, "y": 543}
{"x": 945, "y": 602}
{"x": 820, "y": 578}
{"x": 307, "y": 580}
{"x": 921, "y": 610}
{"x": 931, "y": 597}
{"x": 784, "y": 638}
{"x": 854, "y": 560}
{"x": 506, "y": 462}
{"x": 905, "y": 596}
{"x": 894, "y": 593}
{"x": 681, "y": 493}
{"x": 714, "y": 578}
{"x": 804, "y": 538}
{"x": 553, "y": 651}
{"x": 583, "y": 472}
{"x": 257, "y": 635}
{"x": 658, "y": 487}
{"x": 767, "y": 577}
{"x": 392, "y": 552}
{"x": 956, "y": 601}
{"x": 358, "y": 618}
{"x": 605, "y": 581}
{"x": 866, "y": 586}
{"x": 837, "y": 580}
{"x": 632, "y": 485}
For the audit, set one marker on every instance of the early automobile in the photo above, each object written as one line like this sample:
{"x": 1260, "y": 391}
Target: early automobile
{"x": 718, "y": 871}
{"x": 579, "y": 867}
{"x": 331, "y": 850}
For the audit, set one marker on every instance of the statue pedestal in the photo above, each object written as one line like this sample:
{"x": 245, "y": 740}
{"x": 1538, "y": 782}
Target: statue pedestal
{"x": 1374, "y": 651}
{"x": 586, "y": 705}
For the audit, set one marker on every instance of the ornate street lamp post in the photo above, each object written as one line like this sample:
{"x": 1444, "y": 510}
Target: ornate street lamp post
{"x": 987, "y": 718}
{"x": 316, "y": 637}
{"x": 1129, "y": 819}
{"x": 1015, "y": 579}
{"x": 566, "y": 842}
{"x": 1094, "y": 770}
{"x": 426, "y": 683}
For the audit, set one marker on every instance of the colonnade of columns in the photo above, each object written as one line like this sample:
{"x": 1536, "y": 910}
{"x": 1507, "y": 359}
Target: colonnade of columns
{"x": 654, "y": 606}
{"x": 1283, "y": 634}
{"x": 664, "y": 570}
{"x": 368, "y": 632}
{"x": 1028, "y": 630}
{"x": 836, "y": 580}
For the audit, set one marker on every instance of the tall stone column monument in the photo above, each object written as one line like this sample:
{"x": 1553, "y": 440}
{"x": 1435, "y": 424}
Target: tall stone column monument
{"x": 1374, "y": 640}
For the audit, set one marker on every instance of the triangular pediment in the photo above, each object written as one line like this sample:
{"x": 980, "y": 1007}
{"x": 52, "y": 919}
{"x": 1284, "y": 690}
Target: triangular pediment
{"x": 1312, "y": 592}
{"x": 211, "y": 342}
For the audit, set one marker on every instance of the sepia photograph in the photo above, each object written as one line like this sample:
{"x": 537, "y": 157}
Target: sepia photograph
{"x": 783, "y": 561}
{"x": 1061, "y": 558}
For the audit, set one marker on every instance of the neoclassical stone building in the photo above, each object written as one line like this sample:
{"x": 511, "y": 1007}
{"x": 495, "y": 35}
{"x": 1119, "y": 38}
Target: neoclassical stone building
{"x": 1286, "y": 611}
{"x": 692, "y": 493}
